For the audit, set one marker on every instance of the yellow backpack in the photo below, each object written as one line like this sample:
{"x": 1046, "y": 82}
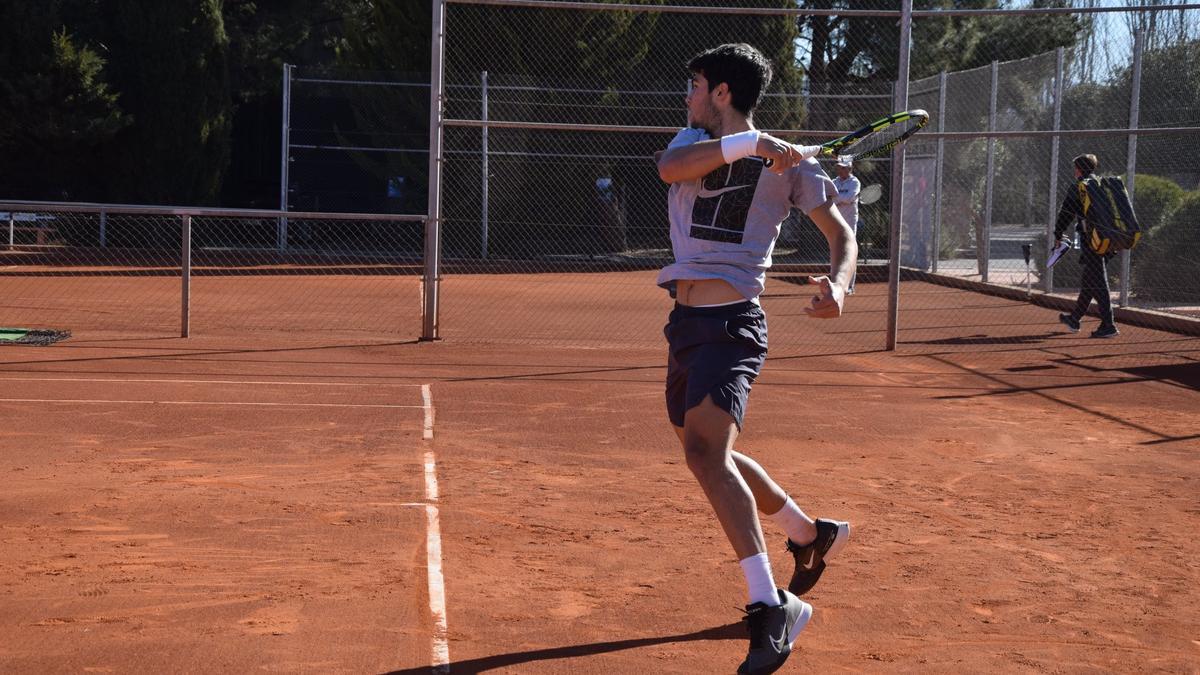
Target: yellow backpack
{"x": 1109, "y": 221}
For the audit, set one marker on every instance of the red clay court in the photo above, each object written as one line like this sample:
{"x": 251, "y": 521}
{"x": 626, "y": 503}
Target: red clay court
{"x": 256, "y": 500}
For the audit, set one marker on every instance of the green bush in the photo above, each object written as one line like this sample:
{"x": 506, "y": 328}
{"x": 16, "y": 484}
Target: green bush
{"x": 1156, "y": 200}
{"x": 1165, "y": 268}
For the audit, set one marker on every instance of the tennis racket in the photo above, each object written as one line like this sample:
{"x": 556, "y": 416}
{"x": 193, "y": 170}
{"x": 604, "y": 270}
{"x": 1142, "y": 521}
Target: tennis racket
{"x": 1057, "y": 252}
{"x": 874, "y": 139}
{"x": 870, "y": 194}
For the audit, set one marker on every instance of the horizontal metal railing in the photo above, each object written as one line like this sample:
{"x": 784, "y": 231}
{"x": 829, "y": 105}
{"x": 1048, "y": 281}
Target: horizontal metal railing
{"x": 77, "y": 238}
{"x": 134, "y": 209}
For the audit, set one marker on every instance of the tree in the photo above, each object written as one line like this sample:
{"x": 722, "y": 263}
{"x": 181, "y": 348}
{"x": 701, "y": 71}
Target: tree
{"x": 1110, "y": 38}
{"x": 1161, "y": 26}
{"x": 388, "y": 40}
{"x": 963, "y": 43}
{"x": 1170, "y": 96}
{"x": 58, "y": 108}
{"x": 168, "y": 59}
{"x": 543, "y": 65}
{"x": 120, "y": 101}
{"x": 264, "y": 35}
{"x": 844, "y": 51}
{"x": 1170, "y": 92}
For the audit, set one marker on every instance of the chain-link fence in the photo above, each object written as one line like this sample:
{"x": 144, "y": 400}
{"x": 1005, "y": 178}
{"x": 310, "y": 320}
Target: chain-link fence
{"x": 355, "y": 142}
{"x": 549, "y": 154}
{"x": 158, "y": 272}
{"x": 568, "y": 131}
{"x": 986, "y": 222}
{"x": 552, "y": 219}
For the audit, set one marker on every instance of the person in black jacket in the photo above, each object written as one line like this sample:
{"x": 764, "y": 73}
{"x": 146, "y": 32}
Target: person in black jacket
{"x": 1094, "y": 280}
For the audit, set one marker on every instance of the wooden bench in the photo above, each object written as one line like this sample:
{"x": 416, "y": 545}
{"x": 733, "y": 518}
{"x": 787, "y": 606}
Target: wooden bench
{"x": 42, "y": 227}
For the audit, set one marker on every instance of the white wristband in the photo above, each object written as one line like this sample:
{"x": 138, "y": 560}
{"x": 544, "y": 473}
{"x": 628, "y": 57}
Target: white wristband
{"x": 737, "y": 146}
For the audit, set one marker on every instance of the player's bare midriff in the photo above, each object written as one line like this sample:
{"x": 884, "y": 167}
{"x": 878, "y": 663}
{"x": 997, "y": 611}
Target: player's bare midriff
{"x": 693, "y": 292}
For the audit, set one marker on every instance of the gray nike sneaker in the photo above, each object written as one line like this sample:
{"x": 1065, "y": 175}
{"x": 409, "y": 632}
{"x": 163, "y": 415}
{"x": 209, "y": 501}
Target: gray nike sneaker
{"x": 832, "y": 535}
{"x": 773, "y": 631}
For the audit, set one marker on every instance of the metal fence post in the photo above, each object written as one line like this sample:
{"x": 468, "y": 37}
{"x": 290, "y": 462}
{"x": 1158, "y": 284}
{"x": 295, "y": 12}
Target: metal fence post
{"x": 429, "y": 319}
{"x": 186, "y": 267}
{"x": 103, "y": 228}
{"x": 1048, "y": 280}
{"x": 1029, "y": 202}
{"x": 1131, "y": 161}
{"x": 281, "y": 235}
{"x": 12, "y": 229}
{"x": 937, "y": 183}
{"x": 985, "y": 245}
{"x": 484, "y": 206}
{"x": 897, "y": 196}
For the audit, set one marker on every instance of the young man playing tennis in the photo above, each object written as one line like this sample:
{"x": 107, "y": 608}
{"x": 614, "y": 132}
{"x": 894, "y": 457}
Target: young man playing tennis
{"x": 726, "y": 208}
{"x": 1093, "y": 282}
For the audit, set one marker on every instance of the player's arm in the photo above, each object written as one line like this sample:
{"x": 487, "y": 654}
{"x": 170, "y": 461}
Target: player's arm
{"x": 697, "y": 160}
{"x": 843, "y": 256}
{"x": 1071, "y": 209}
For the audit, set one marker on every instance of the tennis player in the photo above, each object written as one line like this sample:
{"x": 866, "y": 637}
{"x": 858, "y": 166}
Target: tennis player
{"x": 848, "y": 189}
{"x": 726, "y": 208}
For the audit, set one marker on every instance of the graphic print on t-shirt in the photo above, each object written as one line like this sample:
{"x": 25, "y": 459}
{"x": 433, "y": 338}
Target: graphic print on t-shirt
{"x": 723, "y": 203}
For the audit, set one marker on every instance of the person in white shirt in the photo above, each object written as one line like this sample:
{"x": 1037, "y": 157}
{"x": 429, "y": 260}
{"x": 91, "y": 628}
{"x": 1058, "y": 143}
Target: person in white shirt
{"x": 848, "y": 187}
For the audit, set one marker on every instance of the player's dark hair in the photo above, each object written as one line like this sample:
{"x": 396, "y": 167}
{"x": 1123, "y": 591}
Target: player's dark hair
{"x": 742, "y": 67}
{"x": 1086, "y": 164}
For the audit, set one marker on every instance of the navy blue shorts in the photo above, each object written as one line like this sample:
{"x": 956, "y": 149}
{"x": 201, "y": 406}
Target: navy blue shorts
{"x": 714, "y": 351}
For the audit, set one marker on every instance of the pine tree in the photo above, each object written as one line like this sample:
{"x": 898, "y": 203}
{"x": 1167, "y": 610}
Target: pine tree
{"x": 169, "y": 62}
{"x": 58, "y": 108}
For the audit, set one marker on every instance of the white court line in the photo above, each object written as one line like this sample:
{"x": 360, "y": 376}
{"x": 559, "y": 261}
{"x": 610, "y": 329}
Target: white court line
{"x": 292, "y": 384}
{"x": 437, "y": 593}
{"x": 98, "y": 401}
{"x": 433, "y": 548}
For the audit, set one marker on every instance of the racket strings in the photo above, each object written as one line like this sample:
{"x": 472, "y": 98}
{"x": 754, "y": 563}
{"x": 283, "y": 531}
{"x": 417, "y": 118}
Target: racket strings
{"x": 882, "y": 140}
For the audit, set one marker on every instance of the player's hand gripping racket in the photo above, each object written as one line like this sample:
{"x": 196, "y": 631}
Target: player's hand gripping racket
{"x": 873, "y": 140}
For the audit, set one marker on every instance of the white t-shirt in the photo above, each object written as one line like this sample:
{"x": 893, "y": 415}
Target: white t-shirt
{"x": 724, "y": 226}
{"x": 847, "y": 198}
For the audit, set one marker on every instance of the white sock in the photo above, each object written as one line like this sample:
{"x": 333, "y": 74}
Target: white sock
{"x": 757, "y": 569}
{"x": 794, "y": 522}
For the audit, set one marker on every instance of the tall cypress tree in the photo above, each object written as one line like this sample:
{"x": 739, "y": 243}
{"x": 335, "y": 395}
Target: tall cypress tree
{"x": 263, "y": 35}
{"x": 169, "y": 60}
{"x": 58, "y": 107}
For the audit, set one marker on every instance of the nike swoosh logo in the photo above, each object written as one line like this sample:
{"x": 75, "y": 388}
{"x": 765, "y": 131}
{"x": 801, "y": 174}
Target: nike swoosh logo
{"x": 811, "y": 562}
{"x": 709, "y": 194}
{"x": 781, "y": 643}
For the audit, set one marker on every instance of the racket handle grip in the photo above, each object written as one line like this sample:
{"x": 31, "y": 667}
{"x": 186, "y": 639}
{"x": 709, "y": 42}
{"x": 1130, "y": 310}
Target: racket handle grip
{"x": 808, "y": 151}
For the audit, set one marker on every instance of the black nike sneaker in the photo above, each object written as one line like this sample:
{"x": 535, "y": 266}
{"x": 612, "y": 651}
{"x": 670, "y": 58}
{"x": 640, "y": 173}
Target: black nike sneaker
{"x": 1070, "y": 322}
{"x": 773, "y": 631}
{"x": 832, "y": 535}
